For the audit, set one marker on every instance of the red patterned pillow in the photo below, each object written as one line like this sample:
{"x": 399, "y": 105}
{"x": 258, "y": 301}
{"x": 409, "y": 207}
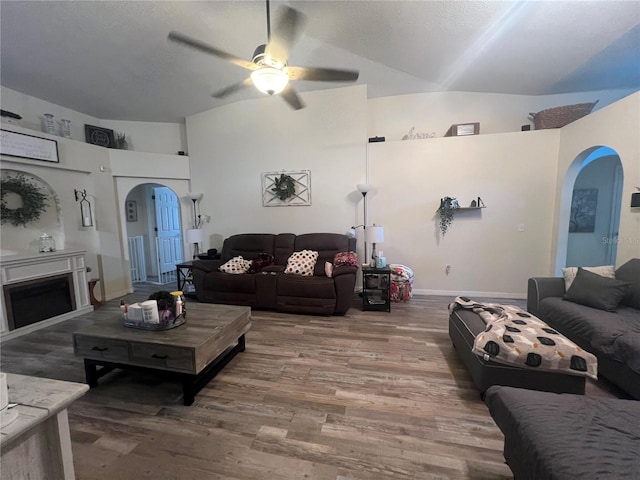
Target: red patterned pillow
{"x": 302, "y": 263}
{"x": 346, "y": 258}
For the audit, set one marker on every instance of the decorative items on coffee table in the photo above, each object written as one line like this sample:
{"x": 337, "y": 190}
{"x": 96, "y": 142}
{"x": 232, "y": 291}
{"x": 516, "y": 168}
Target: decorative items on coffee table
{"x": 162, "y": 311}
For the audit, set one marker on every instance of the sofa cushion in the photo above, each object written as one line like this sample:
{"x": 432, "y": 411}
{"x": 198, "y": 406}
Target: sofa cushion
{"x": 326, "y": 244}
{"x": 596, "y": 291}
{"x": 236, "y": 266}
{"x": 247, "y": 245}
{"x": 302, "y": 263}
{"x": 630, "y": 272}
{"x": 223, "y": 282}
{"x": 306, "y": 287}
{"x": 570, "y": 273}
{"x": 602, "y": 333}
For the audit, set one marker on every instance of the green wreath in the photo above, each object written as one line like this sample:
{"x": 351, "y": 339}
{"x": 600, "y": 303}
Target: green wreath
{"x": 284, "y": 187}
{"x": 34, "y": 202}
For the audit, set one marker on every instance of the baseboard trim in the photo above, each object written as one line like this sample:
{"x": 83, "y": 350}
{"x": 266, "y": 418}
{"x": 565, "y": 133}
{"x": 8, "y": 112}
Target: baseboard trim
{"x": 469, "y": 293}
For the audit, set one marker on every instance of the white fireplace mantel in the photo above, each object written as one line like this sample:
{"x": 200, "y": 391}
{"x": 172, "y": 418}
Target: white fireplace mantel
{"x": 20, "y": 268}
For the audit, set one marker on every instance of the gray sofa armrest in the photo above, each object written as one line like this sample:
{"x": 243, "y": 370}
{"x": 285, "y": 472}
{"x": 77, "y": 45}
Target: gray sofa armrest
{"x": 542, "y": 287}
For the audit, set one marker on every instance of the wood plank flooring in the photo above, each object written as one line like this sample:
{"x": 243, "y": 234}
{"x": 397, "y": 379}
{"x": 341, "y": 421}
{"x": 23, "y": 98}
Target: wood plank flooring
{"x": 367, "y": 396}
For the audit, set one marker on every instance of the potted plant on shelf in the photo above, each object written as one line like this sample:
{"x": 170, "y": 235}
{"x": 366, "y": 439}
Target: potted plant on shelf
{"x": 448, "y": 205}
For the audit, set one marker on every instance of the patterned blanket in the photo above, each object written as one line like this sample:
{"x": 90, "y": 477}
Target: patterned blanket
{"x": 515, "y": 337}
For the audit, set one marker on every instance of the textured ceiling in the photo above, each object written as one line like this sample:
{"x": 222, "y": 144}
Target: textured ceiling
{"x": 112, "y": 60}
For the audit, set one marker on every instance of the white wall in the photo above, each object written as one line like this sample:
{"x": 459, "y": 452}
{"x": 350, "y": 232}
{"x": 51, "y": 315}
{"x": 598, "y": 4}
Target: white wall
{"x": 393, "y": 117}
{"x": 155, "y": 137}
{"x": 513, "y": 173}
{"x": 231, "y": 146}
{"x": 101, "y": 172}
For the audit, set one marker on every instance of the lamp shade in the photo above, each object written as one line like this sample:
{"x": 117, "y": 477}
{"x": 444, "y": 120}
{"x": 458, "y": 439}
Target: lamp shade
{"x": 374, "y": 234}
{"x": 364, "y": 187}
{"x": 194, "y": 196}
{"x": 194, "y": 235}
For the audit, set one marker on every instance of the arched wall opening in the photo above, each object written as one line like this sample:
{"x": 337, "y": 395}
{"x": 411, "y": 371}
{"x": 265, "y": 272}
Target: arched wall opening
{"x": 590, "y": 209}
{"x": 141, "y": 219}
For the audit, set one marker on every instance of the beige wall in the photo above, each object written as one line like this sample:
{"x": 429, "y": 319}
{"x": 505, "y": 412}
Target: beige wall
{"x": 513, "y": 173}
{"x": 519, "y": 175}
{"x": 155, "y": 137}
{"x": 435, "y": 112}
{"x": 101, "y": 172}
{"x": 231, "y": 146}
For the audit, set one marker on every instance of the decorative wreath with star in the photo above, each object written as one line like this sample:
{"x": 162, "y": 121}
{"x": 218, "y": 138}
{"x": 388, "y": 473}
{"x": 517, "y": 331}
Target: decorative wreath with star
{"x": 34, "y": 202}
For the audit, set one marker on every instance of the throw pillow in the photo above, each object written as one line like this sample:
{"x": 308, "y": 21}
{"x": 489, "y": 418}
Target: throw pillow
{"x": 630, "y": 272}
{"x": 236, "y": 266}
{"x": 569, "y": 273}
{"x": 328, "y": 269}
{"x": 596, "y": 291}
{"x": 261, "y": 261}
{"x": 346, "y": 258}
{"x": 302, "y": 263}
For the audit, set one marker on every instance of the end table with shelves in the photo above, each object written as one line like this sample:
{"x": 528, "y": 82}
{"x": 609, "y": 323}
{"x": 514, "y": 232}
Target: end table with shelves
{"x": 376, "y": 289}
{"x": 184, "y": 277}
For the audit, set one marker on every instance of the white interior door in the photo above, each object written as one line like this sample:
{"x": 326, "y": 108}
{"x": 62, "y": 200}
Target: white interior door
{"x": 168, "y": 233}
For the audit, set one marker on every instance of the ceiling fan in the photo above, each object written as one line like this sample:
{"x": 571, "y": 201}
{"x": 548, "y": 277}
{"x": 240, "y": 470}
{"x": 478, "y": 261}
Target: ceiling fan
{"x": 270, "y": 72}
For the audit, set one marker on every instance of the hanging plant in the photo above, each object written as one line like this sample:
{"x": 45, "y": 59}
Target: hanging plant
{"x": 34, "y": 202}
{"x": 448, "y": 205}
{"x": 284, "y": 187}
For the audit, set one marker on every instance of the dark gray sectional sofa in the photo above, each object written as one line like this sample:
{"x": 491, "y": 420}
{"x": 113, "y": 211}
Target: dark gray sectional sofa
{"x": 612, "y": 336}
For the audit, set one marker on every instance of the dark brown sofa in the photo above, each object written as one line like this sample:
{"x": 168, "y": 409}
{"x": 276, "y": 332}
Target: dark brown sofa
{"x": 271, "y": 288}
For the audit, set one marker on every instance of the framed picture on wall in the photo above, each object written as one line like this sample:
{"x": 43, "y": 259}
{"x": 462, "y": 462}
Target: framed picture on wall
{"x": 99, "y": 136}
{"x": 286, "y": 188}
{"x": 132, "y": 211}
{"x": 583, "y": 210}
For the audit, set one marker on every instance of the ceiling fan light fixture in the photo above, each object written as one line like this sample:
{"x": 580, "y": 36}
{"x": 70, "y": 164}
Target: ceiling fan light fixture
{"x": 269, "y": 80}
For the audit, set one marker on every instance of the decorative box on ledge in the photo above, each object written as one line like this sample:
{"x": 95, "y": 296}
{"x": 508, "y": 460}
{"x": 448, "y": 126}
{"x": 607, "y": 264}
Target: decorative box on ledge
{"x": 462, "y": 129}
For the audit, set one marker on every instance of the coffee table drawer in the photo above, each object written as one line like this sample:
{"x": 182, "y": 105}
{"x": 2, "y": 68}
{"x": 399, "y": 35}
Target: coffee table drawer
{"x": 101, "y": 348}
{"x": 162, "y": 356}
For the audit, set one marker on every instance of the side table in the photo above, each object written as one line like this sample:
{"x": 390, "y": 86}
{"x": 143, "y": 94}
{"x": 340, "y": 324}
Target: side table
{"x": 376, "y": 289}
{"x": 184, "y": 278}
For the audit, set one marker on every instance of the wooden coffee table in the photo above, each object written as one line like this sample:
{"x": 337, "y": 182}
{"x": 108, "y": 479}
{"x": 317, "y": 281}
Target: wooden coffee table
{"x": 194, "y": 352}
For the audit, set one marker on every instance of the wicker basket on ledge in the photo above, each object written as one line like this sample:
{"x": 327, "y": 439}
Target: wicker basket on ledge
{"x": 560, "y": 116}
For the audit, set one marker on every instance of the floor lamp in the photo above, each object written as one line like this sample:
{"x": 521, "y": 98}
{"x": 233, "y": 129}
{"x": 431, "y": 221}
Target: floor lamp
{"x": 195, "y": 235}
{"x": 364, "y": 188}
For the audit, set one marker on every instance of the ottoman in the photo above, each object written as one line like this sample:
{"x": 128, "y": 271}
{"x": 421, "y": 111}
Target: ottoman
{"x": 464, "y": 325}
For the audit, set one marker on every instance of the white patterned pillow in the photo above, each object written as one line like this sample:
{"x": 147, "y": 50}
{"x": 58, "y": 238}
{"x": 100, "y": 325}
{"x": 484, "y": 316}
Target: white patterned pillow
{"x": 302, "y": 263}
{"x": 236, "y": 265}
{"x": 570, "y": 273}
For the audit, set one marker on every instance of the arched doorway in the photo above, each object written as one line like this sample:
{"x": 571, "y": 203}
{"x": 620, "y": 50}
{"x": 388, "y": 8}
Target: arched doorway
{"x": 590, "y": 212}
{"x": 154, "y": 238}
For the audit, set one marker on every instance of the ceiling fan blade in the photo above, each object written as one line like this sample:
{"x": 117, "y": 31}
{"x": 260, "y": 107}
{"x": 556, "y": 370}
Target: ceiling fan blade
{"x": 322, "y": 74}
{"x": 205, "y": 48}
{"x": 232, "y": 88}
{"x": 287, "y": 30}
{"x": 291, "y": 97}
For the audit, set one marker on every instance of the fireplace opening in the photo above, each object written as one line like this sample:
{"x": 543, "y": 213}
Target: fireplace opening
{"x": 37, "y": 300}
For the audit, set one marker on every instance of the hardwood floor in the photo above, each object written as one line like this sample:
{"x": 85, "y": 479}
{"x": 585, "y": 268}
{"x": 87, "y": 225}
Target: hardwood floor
{"x": 368, "y": 396}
